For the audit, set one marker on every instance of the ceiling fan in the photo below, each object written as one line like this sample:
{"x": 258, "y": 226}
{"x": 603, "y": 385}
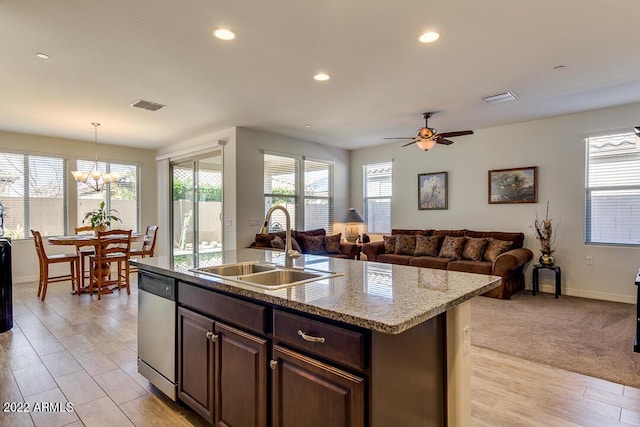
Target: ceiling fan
{"x": 427, "y": 137}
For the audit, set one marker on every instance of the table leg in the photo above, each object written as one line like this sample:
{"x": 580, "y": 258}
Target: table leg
{"x": 558, "y": 282}
{"x": 535, "y": 281}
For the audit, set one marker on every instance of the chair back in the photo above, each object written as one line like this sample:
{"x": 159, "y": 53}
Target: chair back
{"x": 37, "y": 239}
{"x": 149, "y": 245}
{"x": 113, "y": 243}
{"x": 87, "y": 229}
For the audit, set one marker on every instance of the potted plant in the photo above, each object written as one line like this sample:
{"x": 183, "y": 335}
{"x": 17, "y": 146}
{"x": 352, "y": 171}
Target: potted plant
{"x": 101, "y": 218}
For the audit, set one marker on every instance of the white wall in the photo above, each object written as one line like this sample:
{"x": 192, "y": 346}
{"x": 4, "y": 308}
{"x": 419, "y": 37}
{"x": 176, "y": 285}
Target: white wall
{"x": 250, "y": 175}
{"x": 556, "y": 145}
{"x": 24, "y": 259}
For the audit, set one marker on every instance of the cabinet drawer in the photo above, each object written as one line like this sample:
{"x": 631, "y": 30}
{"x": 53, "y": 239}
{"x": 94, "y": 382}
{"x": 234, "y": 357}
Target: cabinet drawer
{"x": 235, "y": 311}
{"x": 331, "y": 342}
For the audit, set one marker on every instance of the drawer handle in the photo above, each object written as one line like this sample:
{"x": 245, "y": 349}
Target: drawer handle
{"x": 310, "y": 338}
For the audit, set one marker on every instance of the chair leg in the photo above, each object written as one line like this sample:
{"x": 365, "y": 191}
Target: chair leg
{"x": 126, "y": 277}
{"x": 91, "y": 276}
{"x": 45, "y": 283}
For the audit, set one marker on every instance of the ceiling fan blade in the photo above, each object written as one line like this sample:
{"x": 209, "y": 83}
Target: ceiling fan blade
{"x": 458, "y": 133}
{"x": 402, "y": 137}
{"x": 444, "y": 141}
{"x": 409, "y": 143}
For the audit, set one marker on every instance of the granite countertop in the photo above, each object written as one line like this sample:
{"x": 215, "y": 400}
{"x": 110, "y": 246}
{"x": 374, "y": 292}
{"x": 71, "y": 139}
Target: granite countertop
{"x": 382, "y": 297}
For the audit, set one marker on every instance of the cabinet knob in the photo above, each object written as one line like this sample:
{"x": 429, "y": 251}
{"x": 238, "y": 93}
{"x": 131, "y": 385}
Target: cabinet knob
{"x": 310, "y": 338}
{"x": 209, "y": 334}
{"x": 273, "y": 364}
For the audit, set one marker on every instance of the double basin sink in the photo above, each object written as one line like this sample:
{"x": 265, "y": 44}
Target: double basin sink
{"x": 265, "y": 275}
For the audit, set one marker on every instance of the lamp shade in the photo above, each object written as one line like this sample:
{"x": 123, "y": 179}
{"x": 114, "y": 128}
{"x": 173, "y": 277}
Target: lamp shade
{"x": 352, "y": 215}
{"x": 637, "y": 129}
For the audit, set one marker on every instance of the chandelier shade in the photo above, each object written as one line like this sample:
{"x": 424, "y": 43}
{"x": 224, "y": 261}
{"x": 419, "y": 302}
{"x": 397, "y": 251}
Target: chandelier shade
{"x": 95, "y": 178}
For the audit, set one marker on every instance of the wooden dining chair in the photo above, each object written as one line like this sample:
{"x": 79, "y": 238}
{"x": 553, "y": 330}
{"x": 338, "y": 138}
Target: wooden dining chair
{"x": 113, "y": 247}
{"x": 148, "y": 247}
{"x": 45, "y": 261}
{"x": 84, "y": 251}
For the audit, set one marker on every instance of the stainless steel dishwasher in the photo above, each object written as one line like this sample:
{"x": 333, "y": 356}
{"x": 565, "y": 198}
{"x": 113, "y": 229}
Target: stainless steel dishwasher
{"x": 157, "y": 331}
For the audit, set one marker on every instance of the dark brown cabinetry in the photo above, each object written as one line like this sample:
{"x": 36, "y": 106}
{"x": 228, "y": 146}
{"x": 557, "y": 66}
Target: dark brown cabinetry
{"x": 222, "y": 370}
{"x": 307, "y": 392}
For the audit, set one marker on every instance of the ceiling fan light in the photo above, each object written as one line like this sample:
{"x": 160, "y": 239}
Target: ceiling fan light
{"x": 429, "y": 37}
{"x": 426, "y": 144}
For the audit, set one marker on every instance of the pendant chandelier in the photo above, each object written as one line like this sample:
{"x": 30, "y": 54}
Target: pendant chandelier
{"x": 95, "y": 179}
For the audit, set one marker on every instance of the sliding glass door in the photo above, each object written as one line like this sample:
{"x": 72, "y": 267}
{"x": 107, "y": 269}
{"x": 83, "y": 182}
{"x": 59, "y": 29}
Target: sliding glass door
{"x": 197, "y": 211}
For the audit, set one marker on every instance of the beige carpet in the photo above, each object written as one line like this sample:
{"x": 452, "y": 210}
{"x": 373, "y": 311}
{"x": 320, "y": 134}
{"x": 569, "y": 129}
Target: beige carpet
{"x": 581, "y": 335}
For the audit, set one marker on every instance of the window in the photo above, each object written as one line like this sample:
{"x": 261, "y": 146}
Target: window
{"x": 32, "y": 190}
{"x": 121, "y": 196}
{"x": 613, "y": 190}
{"x": 377, "y": 197}
{"x": 303, "y": 187}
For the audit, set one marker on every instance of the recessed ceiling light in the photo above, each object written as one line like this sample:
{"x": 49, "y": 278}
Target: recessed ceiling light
{"x": 321, "y": 77}
{"x": 224, "y": 34}
{"x": 42, "y": 55}
{"x": 307, "y": 125}
{"x": 429, "y": 37}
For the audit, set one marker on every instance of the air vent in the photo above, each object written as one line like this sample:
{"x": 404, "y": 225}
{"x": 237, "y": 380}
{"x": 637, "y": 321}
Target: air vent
{"x": 500, "y": 97}
{"x": 147, "y": 105}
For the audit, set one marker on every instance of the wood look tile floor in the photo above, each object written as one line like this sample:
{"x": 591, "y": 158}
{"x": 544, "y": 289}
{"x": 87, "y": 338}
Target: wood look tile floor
{"x": 83, "y": 351}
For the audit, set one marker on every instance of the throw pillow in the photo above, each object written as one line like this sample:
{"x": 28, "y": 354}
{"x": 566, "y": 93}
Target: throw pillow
{"x": 389, "y": 244}
{"x": 405, "y": 244}
{"x": 332, "y": 243}
{"x": 277, "y": 243}
{"x": 427, "y": 245}
{"x": 452, "y": 247}
{"x": 314, "y": 245}
{"x": 264, "y": 240}
{"x": 474, "y": 248}
{"x": 495, "y": 248}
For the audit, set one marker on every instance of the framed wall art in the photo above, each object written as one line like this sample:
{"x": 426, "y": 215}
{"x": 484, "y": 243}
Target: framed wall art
{"x": 432, "y": 191}
{"x": 517, "y": 185}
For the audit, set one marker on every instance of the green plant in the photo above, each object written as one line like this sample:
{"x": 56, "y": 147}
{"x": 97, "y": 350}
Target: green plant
{"x": 101, "y": 217}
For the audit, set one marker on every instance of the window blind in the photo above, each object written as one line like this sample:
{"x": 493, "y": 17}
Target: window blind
{"x": 317, "y": 196}
{"x": 281, "y": 188}
{"x": 32, "y": 190}
{"x": 612, "y": 214}
{"x": 377, "y": 196}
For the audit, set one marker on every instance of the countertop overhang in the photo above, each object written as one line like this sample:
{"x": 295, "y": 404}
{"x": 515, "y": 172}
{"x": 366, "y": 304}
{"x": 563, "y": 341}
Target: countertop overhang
{"x": 382, "y": 297}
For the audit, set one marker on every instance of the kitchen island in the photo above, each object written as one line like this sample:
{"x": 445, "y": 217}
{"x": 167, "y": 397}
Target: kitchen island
{"x": 378, "y": 345}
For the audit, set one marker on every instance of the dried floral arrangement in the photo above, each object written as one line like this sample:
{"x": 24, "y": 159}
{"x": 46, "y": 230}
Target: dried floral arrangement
{"x": 544, "y": 232}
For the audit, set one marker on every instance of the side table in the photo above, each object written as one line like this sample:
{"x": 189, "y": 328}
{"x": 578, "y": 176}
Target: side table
{"x": 555, "y": 269}
{"x": 359, "y": 251}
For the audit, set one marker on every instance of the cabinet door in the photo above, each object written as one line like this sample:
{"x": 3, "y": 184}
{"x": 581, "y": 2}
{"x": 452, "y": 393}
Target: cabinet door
{"x": 241, "y": 378}
{"x": 309, "y": 393}
{"x": 196, "y": 362}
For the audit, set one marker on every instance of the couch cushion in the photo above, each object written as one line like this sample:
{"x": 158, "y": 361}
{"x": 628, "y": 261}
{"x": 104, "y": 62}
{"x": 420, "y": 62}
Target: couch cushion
{"x": 394, "y": 259}
{"x": 481, "y": 267}
{"x": 474, "y": 248}
{"x": 405, "y": 244}
{"x": 278, "y": 243}
{"x": 395, "y": 231}
{"x": 452, "y": 233}
{"x": 314, "y": 245}
{"x": 389, "y": 244}
{"x": 297, "y": 235}
{"x": 430, "y": 262}
{"x": 452, "y": 247}
{"x": 495, "y": 248}
{"x": 332, "y": 243}
{"x": 427, "y": 245}
{"x": 516, "y": 238}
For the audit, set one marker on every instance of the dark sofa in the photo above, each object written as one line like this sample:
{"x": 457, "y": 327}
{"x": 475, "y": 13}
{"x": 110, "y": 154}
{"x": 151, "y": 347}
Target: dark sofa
{"x": 485, "y": 252}
{"x": 315, "y": 242}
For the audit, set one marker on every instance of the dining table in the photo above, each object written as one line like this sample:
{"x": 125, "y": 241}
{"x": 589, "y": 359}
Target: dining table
{"x": 80, "y": 240}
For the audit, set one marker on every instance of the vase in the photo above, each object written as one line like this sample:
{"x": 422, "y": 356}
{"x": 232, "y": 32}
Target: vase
{"x": 546, "y": 259}
{"x": 100, "y": 228}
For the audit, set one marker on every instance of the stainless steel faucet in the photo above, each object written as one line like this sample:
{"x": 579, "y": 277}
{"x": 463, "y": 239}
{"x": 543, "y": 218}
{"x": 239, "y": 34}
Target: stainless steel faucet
{"x": 289, "y": 254}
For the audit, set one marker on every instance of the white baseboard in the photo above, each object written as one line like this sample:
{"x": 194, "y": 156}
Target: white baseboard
{"x": 25, "y": 279}
{"x": 590, "y": 294}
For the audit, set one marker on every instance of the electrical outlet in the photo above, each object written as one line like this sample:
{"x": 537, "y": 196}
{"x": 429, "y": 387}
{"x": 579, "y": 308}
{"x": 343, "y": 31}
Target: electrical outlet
{"x": 589, "y": 260}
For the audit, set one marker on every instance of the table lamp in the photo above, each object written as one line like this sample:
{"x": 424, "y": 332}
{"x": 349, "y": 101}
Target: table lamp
{"x": 352, "y": 218}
